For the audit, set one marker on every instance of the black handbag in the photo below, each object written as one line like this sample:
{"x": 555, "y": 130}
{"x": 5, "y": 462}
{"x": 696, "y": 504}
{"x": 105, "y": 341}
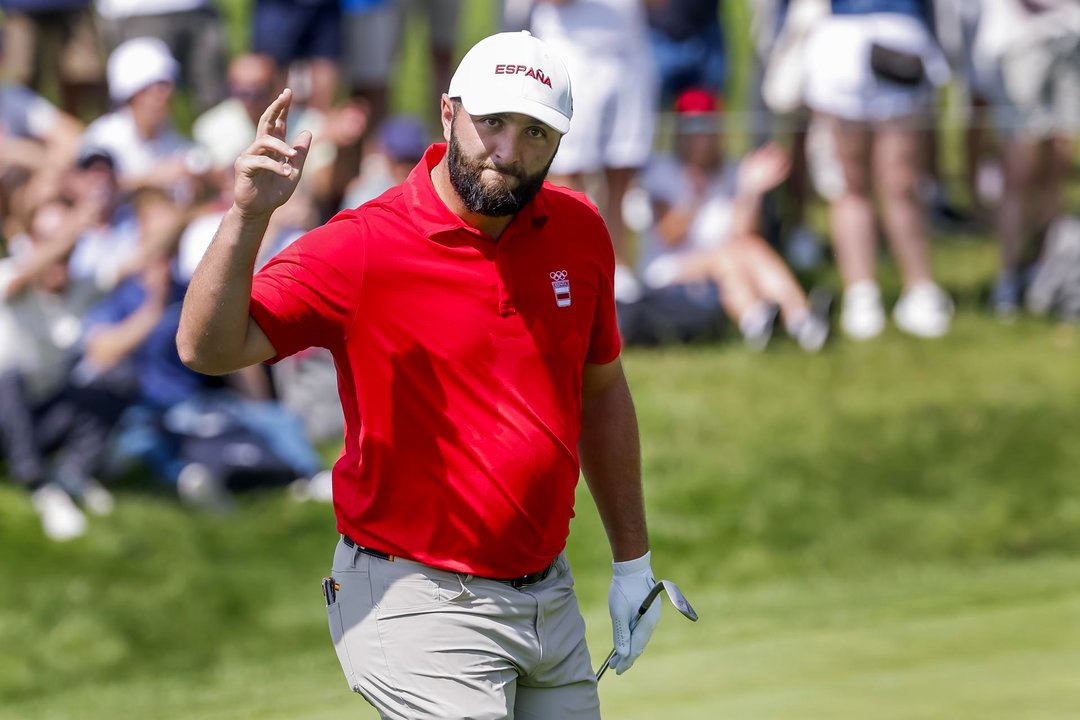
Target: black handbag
{"x": 897, "y": 66}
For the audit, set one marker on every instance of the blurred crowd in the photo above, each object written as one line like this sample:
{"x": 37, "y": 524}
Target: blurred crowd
{"x": 107, "y": 203}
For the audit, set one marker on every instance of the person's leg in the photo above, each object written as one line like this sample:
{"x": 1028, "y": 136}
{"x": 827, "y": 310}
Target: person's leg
{"x": 207, "y": 53}
{"x": 897, "y": 161}
{"x": 740, "y": 297}
{"x": 840, "y": 165}
{"x": 1058, "y": 167}
{"x": 562, "y": 685}
{"x": 417, "y": 642}
{"x": 281, "y": 428}
{"x": 924, "y": 309}
{"x": 851, "y": 211}
{"x": 772, "y": 284}
{"x": 617, "y": 181}
{"x": 371, "y": 41}
{"x": 1020, "y": 166}
{"x": 18, "y": 440}
{"x": 770, "y": 276}
{"x": 94, "y": 413}
{"x": 443, "y": 25}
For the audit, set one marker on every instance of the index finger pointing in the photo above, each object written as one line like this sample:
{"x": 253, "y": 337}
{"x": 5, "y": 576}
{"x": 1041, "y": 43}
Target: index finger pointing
{"x": 277, "y": 112}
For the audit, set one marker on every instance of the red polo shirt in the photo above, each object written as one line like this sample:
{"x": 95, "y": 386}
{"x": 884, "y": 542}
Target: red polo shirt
{"x": 459, "y": 363}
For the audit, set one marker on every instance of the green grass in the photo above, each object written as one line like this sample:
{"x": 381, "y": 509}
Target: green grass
{"x": 890, "y": 530}
{"x": 887, "y": 530}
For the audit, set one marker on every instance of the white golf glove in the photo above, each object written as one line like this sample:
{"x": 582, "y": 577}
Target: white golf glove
{"x": 630, "y": 584}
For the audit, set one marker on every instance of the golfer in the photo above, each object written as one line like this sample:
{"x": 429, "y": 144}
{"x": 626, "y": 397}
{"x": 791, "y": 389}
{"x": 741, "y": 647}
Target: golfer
{"x": 471, "y": 318}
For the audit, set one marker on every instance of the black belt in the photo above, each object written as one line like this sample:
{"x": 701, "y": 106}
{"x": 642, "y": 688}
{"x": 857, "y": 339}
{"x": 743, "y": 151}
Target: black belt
{"x": 518, "y": 582}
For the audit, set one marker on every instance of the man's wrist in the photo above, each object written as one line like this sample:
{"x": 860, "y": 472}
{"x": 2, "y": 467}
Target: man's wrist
{"x": 636, "y": 566}
{"x": 253, "y": 220}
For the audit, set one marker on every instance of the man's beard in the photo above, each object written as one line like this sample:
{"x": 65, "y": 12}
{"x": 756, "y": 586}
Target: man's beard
{"x": 495, "y": 199}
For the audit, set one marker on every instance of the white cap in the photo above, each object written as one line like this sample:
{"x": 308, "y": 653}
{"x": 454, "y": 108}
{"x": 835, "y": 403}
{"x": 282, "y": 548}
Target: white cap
{"x": 514, "y": 72}
{"x": 137, "y": 64}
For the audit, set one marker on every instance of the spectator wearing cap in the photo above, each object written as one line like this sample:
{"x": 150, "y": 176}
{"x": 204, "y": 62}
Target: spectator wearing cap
{"x": 109, "y": 247}
{"x": 606, "y": 48}
{"x": 704, "y": 229}
{"x": 192, "y": 30}
{"x": 139, "y": 134}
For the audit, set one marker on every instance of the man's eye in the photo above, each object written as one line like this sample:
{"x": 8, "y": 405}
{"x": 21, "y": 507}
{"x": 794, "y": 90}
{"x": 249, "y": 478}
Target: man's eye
{"x": 536, "y": 132}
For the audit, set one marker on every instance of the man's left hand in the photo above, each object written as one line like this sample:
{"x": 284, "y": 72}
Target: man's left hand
{"x": 631, "y": 583}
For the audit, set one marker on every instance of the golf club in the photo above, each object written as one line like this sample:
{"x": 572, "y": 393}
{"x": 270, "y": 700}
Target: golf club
{"x": 677, "y": 599}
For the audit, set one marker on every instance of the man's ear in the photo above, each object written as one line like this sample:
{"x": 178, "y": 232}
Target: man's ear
{"x": 447, "y": 109}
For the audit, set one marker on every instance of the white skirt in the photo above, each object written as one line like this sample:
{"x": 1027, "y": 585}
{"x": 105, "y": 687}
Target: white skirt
{"x": 840, "y": 81}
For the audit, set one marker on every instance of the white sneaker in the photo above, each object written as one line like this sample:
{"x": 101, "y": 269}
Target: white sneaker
{"x": 61, "y": 519}
{"x": 97, "y": 499}
{"x": 199, "y": 487}
{"x": 862, "y": 316}
{"x": 924, "y": 310}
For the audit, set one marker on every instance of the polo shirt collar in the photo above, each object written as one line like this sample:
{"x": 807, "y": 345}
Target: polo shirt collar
{"x": 431, "y": 215}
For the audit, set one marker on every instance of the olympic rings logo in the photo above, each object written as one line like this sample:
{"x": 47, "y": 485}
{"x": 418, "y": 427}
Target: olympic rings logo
{"x": 558, "y": 275}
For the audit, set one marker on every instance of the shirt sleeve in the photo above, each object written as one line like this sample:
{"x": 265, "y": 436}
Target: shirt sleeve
{"x": 307, "y": 295}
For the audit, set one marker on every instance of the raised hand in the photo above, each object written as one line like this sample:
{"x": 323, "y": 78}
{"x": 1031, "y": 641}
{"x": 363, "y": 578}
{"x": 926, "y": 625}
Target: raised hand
{"x": 268, "y": 171}
{"x": 763, "y": 169}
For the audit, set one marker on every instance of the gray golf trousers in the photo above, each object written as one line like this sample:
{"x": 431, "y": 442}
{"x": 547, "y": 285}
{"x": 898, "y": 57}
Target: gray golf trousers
{"x": 418, "y": 642}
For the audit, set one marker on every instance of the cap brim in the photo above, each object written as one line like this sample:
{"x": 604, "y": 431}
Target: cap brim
{"x": 544, "y": 113}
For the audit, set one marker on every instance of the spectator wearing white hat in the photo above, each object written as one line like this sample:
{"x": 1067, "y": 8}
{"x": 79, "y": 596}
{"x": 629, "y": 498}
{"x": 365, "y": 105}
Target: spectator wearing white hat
{"x": 148, "y": 152}
{"x": 192, "y": 29}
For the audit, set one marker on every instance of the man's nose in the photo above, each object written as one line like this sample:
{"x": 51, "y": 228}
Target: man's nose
{"x": 506, "y": 150}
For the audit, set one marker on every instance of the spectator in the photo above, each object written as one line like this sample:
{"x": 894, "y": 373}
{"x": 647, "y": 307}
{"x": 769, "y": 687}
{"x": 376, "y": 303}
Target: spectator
{"x": 871, "y": 69}
{"x": 191, "y": 29}
{"x": 374, "y": 37}
{"x": 56, "y": 39}
{"x": 306, "y": 36}
{"x": 605, "y": 46}
{"x": 39, "y": 143}
{"x": 801, "y": 243}
{"x": 200, "y": 439}
{"x": 399, "y": 144}
{"x": 42, "y": 413}
{"x": 226, "y": 129}
{"x": 108, "y": 231}
{"x": 147, "y": 151}
{"x": 705, "y": 217}
{"x": 688, "y": 46}
{"x": 1035, "y": 46}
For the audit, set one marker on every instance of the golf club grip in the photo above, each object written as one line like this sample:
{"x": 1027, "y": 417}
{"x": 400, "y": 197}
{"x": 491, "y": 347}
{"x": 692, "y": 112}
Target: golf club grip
{"x": 647, "y": 603}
